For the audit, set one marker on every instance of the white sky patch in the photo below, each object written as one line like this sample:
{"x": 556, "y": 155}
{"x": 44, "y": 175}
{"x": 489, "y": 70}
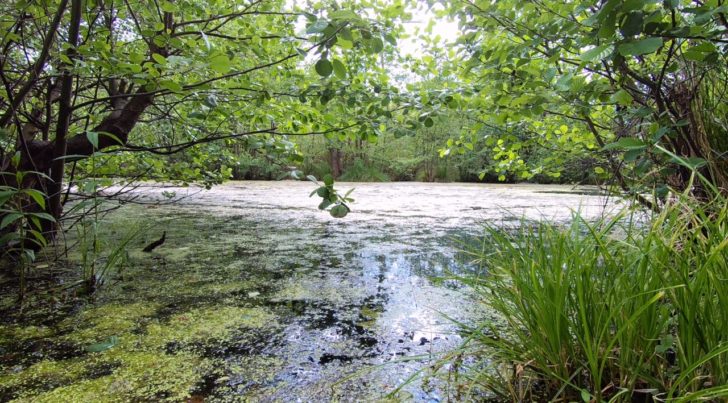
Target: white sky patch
{"x": 446, "y": 29}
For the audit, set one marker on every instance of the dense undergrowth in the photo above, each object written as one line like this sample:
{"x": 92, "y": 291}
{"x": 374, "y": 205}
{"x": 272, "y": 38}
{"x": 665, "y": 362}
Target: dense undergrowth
{"x": 613, "y": 310}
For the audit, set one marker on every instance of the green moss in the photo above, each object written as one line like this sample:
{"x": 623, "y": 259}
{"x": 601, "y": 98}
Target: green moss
{"x": 15, "y": 333}
{"x": 98, "y": 324}
{"x": 311, "y": 289}
{"x": 141, "y": 376}
{"x": 205, "y": 324}
{"x": 43, "y": 375}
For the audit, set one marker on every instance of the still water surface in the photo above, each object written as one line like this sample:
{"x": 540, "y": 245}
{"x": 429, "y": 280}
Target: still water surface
{"x": 340, "y": 305}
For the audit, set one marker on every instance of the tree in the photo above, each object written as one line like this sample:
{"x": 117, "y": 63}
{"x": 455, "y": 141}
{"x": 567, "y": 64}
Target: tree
{"x": 139, "y": 80}
{"x": 638, "y": 83}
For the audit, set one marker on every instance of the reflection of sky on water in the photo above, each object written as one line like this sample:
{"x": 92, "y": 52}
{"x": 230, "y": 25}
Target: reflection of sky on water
{"x": 354, "y": 293}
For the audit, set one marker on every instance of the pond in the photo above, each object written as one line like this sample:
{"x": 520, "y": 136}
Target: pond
{"x": 257, "y": 295}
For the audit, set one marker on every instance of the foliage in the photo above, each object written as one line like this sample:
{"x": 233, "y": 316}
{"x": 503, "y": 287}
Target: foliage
{"x": 19, "y": 208}
{"x": 180, "y": 90}
{"x": 612, "y": 310}
{"x": 609, "y": 79}
{"x": 336, "y": 204}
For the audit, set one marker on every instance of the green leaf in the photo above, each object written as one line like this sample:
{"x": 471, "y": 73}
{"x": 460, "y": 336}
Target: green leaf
{"x": 429, "y": 122}
{"x": 317, "y": 27}
{"x": 5, "y": 195}
{"x": 585, "y": 395}
{"x": 622, "y": 97}
{"x": 37, "y": 196}
{"x": 377, "y": 45}
{"x": 640, "y": 47}
{"x": 93, "y": 138}
{"x": 339, "y": 69}
{"x": 169, "y": 7}
{"x": 171, "y": 85}
{"x": 43, "y": 216}
{"x": 323, "y": 191}
{"x": 324, "y": 204}
{"x": 328, "y": 180}
{"x": 113, "y": 137}
{"x": 598, "y": 53}
{"x": 690, "y": 162}
{"x": 339, "y": 211}
{"x": 344, "y": 15}
{"x": 632, "y": 24}
{"x": 626, "y": 143}
{"x": 39, "y": 237}
{"x": 9, "y": 219}
{"x": 632, "y": 154}
{"x": 324, "y": 68}
{"x": 345, "y": 34}
{"x": 159, "y": 58}
{"x": 220, "y": 63}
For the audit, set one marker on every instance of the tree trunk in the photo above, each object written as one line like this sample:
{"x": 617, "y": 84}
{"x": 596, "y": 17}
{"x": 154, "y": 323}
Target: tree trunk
{"x": 335, "y": 156}
{"x": 55, "y": 186}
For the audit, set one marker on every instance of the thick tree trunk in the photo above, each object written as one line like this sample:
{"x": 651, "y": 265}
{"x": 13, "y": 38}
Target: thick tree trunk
{"x": 64, "y": 116}
{"x": 39, "y": 156}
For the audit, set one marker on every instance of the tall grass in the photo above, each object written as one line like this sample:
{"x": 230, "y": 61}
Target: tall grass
{"x": 611, "y": 310}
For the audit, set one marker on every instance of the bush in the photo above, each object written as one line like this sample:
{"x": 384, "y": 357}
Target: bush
{"x": 612, "y": 310}
{"x": 359, "y": 171}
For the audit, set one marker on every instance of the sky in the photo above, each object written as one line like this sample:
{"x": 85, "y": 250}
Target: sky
{"x": 421, "y": 17}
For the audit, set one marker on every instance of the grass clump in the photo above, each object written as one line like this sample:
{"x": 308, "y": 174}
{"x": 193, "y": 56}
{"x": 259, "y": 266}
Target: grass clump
{"x": 610, "y": 310}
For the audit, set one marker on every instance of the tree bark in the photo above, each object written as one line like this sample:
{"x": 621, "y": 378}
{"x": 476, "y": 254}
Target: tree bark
{"x": 64, "y": 115}
{"x": 335, "y": 162}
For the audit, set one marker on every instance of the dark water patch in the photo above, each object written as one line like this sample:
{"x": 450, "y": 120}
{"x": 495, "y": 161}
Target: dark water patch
{"x": 327, "y": 358}
{"x": 97, "y": 370}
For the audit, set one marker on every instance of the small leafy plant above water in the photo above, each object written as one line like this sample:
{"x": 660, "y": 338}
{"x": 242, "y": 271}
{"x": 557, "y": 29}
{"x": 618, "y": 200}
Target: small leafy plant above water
{"x": 331, "y": 199}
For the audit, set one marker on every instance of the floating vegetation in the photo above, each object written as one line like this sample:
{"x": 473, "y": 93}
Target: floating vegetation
{"x": 263, "y": 305}
{"x": 212, "y": 325}
{"x": 137, "y": 376}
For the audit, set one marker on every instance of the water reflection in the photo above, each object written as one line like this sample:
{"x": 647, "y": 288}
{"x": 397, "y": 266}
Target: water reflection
{"x": 336, "y": 306}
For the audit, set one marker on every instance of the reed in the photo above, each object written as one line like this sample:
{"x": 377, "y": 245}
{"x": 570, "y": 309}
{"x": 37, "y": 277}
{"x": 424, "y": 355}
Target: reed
{"x": 612, "y": 310}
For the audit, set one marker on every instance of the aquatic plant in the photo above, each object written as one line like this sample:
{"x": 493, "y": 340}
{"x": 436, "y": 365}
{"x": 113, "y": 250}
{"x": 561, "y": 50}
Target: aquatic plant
{"x": 607, "y": 310}
{"x": 135, "y": 376}
{"x": 128, "y": 353}
{"x": 23, "y": 223}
